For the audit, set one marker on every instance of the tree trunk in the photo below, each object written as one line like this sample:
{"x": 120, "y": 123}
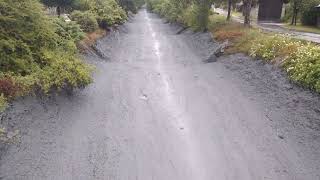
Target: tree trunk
{"x": 229, "y": 9}
{"x": 295, "y": 18}
{"x": 247, "y": 11}
{"x": 294, "y": 14}
{"x": 59, "y": 11}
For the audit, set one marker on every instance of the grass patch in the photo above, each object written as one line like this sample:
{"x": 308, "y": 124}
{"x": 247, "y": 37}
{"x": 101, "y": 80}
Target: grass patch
{"x": 300, "y": 59}
{"x": 302, "y": 28}
{"x": 3, "y": 103}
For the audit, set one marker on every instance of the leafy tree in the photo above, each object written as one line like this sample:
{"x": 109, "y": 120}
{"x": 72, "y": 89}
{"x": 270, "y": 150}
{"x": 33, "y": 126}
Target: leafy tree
{"x": 59, "y": 4}
{"x": 131, "y": 5}
{"x": 309, "y": 12}
{"x": 296, "y": 7}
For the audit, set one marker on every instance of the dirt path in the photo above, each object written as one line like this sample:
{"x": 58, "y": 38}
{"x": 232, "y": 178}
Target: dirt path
{"x": 156, "y": 111}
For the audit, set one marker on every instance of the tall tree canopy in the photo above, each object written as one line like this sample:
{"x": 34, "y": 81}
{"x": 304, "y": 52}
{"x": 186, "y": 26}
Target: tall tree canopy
{"x": 59, "y": 4}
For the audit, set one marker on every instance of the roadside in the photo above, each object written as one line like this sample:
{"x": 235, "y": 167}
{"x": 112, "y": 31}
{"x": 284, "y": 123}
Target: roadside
{"x": 276, "y": 28}
{"x": 299, "y": 59}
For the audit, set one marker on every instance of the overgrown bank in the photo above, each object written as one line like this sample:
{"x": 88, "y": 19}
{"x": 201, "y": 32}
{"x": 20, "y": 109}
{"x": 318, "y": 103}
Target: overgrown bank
{"x": 301, "y": 60}
{"x": 193, "y": 14}
{"x": 38, "y": 52}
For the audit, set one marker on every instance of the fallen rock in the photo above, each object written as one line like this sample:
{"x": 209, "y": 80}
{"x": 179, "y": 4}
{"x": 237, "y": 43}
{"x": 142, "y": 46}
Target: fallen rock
{"x": 219, "y": 51}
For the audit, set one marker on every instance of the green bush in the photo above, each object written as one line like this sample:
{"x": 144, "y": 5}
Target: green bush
{"x": 270, "y": 47}
{"x": 189, "y": 16}
{"x": 128, "y": 5}
{"x": 108, "y": 13}
{"x": 68, "y": 30}
{"x": 194, "y": 14}
{"x": 83, "y": 5}
{"x": 300, "y": 60}
{"x": 36, "y": 52}
{"x": 87, "y": 20}
{"x": 303, "y": 66}
{"x": 3, "y": 103}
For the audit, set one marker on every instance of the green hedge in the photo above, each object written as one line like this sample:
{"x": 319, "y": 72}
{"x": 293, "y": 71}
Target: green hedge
{"x": 36, "y": 52}
{"x": 300, "y": 60}
{"x": 86, "y": 19}
{"x": 192, "y": 14}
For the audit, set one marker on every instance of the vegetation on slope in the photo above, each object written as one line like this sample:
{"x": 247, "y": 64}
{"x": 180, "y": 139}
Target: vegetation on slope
{"x": 301, "y": 60}
{"x": 191, "y": 13}
{"x": 38, "y": 53}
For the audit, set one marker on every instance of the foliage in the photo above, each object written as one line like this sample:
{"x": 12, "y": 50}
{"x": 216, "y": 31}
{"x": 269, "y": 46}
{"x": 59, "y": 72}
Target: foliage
{"x": 59, "y": 4}
{"x": 303, "y": 65}
{"x": 55, "y": 3}
{"x": 86, "y": 20}
{"x": 8, "y": 87}
{"x": 309, "y": 13}
{"x": 304, "y": 10}
{"x": 131, "y": 5}
{"x": 3, "y": 104}
{"x": 108, "y": 13}
{"x": 299, "y": 59}
{"x": 36, "y": 52}
{"x": 270, "y": 47}
{"x": 216, "y": 21}
{"x": 83, "y": 5}
{"x": 128, "y": 5}
{"x": 68, "y": 30}
{"x": 191, "y": 13}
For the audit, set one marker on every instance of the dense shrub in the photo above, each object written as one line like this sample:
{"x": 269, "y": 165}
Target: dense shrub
{"x": 131, "y": 5}
{"x": 3, "y": 106}
{"x": 303, "y": 66}
{"x": 128, "y": 5}
{"x": 86, "y": 20}
{"x": 8, "y": 87}
{"x": 83, "y": 5}
{"x": 108, "y": 13}
{"x": 300, "y": 60}
{"x": 24, "y": 33}
{"x": 68, "y": 30}
{"x": 37, "y": 52}
{"x": 193, "y": 14}
{"x": 270, "y": 47}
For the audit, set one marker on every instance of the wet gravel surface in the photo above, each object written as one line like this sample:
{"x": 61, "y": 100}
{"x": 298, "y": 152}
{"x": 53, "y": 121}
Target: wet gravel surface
{"x": 157, "y": 111}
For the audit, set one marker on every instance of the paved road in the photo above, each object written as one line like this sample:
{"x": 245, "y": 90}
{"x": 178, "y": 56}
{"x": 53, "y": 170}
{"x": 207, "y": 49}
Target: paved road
{"x": 155, "y": 111}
